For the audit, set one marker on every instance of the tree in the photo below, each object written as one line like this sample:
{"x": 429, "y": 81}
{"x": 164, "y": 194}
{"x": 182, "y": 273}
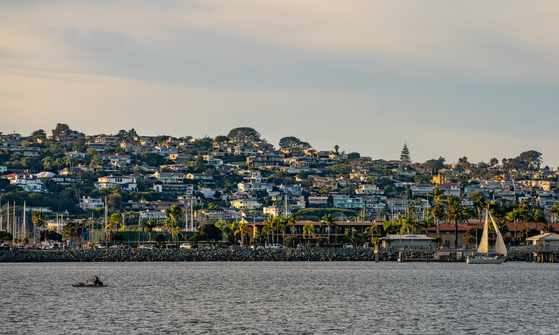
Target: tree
{"x": 49, "y": 235}
{"x": 73, "y": 230}
{"x": 341, "y": 169}
{"x": 434, "y": 164}
{"x": 293, "y": 142}
{"x": 244, "y": 134}
{"x": 60, "y": 129}
{"x": 175, "y": 232}
{"x": 405, "y": 155}
{"x": 38, "y": 219}
{"x": 243, "y": 229}
{"x": 554, "y": 210}
{"x": 308, "y": 231}
{"x": 353, "y": 155}
{"x": 210, "y": 232}
{"x": 353, "y": 236}
{"x": 331, "y": 222}
{"x": 336, "y": 148}
{"x": 148, "y": 226}
{"x": 371, "y": 230}
{"x": 221, "y": 139}
{"x": 160, "y": 238}
{"x": 458, "y": 213}
{"x": 175, "y": 213}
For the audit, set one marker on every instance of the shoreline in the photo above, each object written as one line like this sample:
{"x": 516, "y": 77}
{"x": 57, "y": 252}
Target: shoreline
{"x": 225, "y": 255}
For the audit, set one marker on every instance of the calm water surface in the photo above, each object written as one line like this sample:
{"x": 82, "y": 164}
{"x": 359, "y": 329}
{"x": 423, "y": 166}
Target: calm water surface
{"x": 280, "y": 298}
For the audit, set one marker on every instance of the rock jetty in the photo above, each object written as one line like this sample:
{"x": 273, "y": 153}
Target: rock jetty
{"x": 216, "y": 255}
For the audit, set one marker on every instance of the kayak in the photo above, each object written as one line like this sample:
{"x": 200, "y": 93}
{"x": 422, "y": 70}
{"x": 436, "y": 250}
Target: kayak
{"x": 87, "y": 285}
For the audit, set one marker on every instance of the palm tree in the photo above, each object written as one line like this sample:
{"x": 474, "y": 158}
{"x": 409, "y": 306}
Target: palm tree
{"x": 148, "y": 226}
{"x": 554, "y": 210}
{"x": 175, "y": 232}
{"x": 167, "y": 224}
{"x": 38, "y": 218}
{"x": 539, "y": 217}
{"x": 243, "y": 229}
{"x": 514, "y": 216}
{"x": 437, "y": 194}
{"x": 480, "y": 204}
{"x": 353, "y": 235}
{"x": 371, "y": 230}
{"x": 425, "y": 223}
{"x": 438, "y": 212}
{"x": 458, "y": 213}
{"x": 268, "y": 226}
{"x": 283, "y": 223}
{"x": 330, "y": 221}
{"x": 308, "y": 230}
{"x": 389, "y": 226}
{"x": 293, "y": 219}
{"x": 175, "y": 213}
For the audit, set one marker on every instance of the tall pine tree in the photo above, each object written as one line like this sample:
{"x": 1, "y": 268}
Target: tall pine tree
{"x": 405, "y": 156}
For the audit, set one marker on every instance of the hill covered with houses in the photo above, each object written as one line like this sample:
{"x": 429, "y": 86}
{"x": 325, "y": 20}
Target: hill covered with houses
{"x": 238, "y": 176}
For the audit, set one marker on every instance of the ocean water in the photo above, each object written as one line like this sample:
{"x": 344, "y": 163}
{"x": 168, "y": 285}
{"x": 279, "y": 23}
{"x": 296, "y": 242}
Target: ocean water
{"x": 280, "y": 298}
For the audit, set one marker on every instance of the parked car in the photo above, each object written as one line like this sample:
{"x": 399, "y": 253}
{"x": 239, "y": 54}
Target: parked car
{"x": 185, "y": 246}
{"x": 146, "y": 246}
{"x": 100, "y": 246}
{"x": 301, "y": 246}
{"x": 4, "y": 246}
{"x": 171, "y": 246}
{"x": 348, "y": 246}
{"x": 275, "y": 246}
{"x": 31, "y": 247}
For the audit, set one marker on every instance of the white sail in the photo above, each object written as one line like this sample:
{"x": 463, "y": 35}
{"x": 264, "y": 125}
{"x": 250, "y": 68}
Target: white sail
{"x": 484, "y": 243}
{"x": 500, "y": 247}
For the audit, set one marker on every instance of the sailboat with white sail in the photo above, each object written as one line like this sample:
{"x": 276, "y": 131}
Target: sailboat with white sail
{"x": 500, "y": 248}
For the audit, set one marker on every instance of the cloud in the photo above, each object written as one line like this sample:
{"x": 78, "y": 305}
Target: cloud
{"x": 365, "y": 75}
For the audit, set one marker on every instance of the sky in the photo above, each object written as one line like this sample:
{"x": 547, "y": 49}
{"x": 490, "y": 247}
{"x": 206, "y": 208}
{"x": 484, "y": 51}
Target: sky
{"x": 449, "y": 78}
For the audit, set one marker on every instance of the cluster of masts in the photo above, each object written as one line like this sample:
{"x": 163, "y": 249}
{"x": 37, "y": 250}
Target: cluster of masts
{"x": 16, "y": 225}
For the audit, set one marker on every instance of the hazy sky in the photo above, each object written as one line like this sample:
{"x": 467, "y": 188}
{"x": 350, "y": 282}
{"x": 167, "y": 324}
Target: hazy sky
{"x": 449, "y": 78}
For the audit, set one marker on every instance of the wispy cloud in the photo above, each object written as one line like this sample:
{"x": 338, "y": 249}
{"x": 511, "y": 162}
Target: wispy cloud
{"x": 365, "y": 75}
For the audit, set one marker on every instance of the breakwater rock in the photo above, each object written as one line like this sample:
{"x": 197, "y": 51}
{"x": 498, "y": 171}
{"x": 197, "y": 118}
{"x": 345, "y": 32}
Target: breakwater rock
{"x": 197, "y": 255}
{"x": 220, "y": 255}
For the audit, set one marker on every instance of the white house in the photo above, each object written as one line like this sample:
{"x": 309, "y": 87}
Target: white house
{"x": 292, "y": 189}
{"x": 367, "y": 189}
{"x": 276, "y": 210}
{"x": 207, "y": 192}
{"x": 257, "y": 187}
{"x": 246, "y": 203}
{"x": 76, "y": 154}
{"x": 345, "y": 201}
{"x": 123, "y": 159}
{"x": 124, "y": 182}
{"x": 211, "y": 160}
{"x": 90, "y": 203}
{"x": 169, "y": 177}
{"x": 3, "y": 169}
{"x": 29, "y": 182}
{"x": 450, "y": 189}
{"x": 174, "y": 189}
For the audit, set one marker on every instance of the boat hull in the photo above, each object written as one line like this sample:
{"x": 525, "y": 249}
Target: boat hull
{"x": 485, "y": 260}
{"x": 74, "y": 285}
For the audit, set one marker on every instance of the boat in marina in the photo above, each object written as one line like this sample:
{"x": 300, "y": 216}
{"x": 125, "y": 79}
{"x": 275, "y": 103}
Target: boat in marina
{"x": 483, "y": 250}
